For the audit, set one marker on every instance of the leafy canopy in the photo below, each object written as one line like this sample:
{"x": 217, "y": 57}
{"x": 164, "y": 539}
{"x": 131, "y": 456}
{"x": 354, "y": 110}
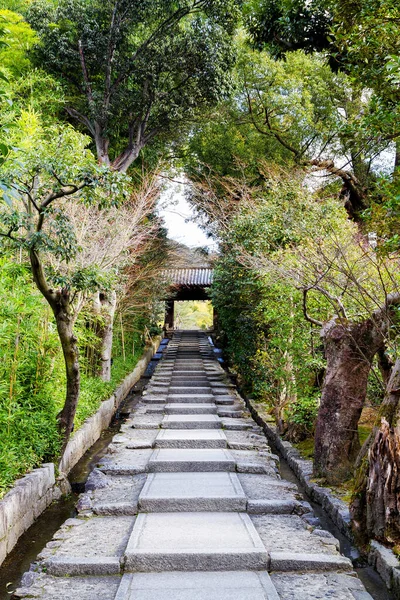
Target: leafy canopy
{"x": 134, "y": 71}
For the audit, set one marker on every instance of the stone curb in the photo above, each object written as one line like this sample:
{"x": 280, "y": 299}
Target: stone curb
{"x": 381, "y": 558}
{"x": 387, "y": 565}
{"x": 19, "y": 508}
{"x": 336, "y": 509}
{"x": 34, "y": 492}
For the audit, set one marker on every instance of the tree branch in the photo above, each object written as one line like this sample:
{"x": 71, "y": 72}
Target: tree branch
{"x": 306, "y": 315}
{"x": 81, "y": 118}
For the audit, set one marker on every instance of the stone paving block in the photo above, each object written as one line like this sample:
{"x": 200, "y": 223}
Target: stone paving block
{"x": 232, "y": 413}
{"x": 289, "y": 533}
{"x": 190, "y": 383}
{"x": 191, "y": 422}
{"x": 126, "y": 461}
{"x": 155, "y": 409}
{"x": 195, "y": 391}
{"x": 93, "y": 546}
{"x": 71, "y": 566}
{"x": 253, "y": 461}
{"x": 236, "y": 424}
{"x": 187, "y": 459}
{"x": 319, "y": 586}
{"x": 120, "y": 497}
{"x": 174, "y": 492}
{"x": 191, "y": 438}
{"x": 152, "y": 401}
{"x": 298, "y": 561}
{"x": 146, "y": 422}
{"x": 232, "y": 585}
{"x": 270, "y": 488}
{"x": 175, "y": 408}
{"x": 194, "y": 541}
{"x": 47, "y": 587}
{"x": 224, "y": 400}
{"x": 272, "y": 507}
{"x": 141, "y": 437}
{"x": 247, "y": 438}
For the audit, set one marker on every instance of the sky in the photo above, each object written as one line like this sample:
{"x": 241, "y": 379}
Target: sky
{"x": 178, "y": 215}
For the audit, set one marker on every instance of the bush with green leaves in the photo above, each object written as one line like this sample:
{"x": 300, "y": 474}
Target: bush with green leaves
{"x": 277, "y": 353}
{"x": 32, "y": 373}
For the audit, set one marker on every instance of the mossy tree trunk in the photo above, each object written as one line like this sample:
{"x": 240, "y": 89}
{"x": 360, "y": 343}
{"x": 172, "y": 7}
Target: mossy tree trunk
{"x": 349, "y": 349}
{"x": 60, "y": 303}
{"x": 375, "y": 508}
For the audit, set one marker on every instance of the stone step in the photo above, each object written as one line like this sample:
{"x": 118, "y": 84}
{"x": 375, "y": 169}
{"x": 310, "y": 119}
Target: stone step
{"x": 178, "y": 408}
{"x": 190, "y": 390}
{"x": 189, "y": 376}
{"x": 230, "y": 585}
{"x": 231, "y": 413}
{"x": 190, "y": 492}
{"x": 206, "y": 398}
{"x": 194, "y": 541}
{"x": 172, "y": 460}
{"x": 190, "y": 383}
{"x": 191, "y": 422}
{"x": 191, "y": 438}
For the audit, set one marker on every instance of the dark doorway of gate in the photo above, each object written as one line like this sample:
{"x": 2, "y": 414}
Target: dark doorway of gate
{"x": 188, "y": 298}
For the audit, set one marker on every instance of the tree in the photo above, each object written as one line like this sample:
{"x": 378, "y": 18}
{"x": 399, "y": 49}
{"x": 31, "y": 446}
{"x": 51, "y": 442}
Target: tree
{"x": 285, "y": 26}
{"x": 349, "y": 292}
{"x": 313, "y": 113}
{"x": 375, "y": 506}
{"x": 136, "y": 72}
{"x": 44, "y": 170}
{"x": 110, "y": 239}
{"x": 20, "y": 38}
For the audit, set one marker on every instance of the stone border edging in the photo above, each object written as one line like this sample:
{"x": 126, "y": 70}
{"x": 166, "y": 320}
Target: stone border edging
{"x": 34, "y": 492}
{"x": 381, "y": 558}
{"x": 336, "y": 509}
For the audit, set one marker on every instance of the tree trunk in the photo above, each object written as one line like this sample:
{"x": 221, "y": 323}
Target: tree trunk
{"x": 397, "y": 157}
{"x": 69, "y": 345}
{"x": 126, "y": 158}
{"x": 102, "y": 146}
{"x": 105, "y": 305}
{"x": 349, "y": 349}
{"x": 375, "y": 508}
{"x": 59, "y": 302}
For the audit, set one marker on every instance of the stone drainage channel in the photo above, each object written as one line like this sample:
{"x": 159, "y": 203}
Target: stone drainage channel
{"x": 188, "y": 504}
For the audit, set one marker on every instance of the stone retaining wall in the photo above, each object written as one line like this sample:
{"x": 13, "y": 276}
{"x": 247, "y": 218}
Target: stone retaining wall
{"x": 382, "y": 559}
{"x": 34, "y": 492}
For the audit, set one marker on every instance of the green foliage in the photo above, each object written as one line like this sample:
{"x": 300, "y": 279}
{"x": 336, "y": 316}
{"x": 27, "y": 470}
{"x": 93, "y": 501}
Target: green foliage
{"x": 193, "y": 315}
{"x": 149, "y": 67}
{"x": 261, "y": 319}
{"x": 32, "y": 374}
{"x": 287, "y": 25}
{"x": 29, "y": 350}
{"x": 303, "y": 413}
{"x": 19, "y": 38}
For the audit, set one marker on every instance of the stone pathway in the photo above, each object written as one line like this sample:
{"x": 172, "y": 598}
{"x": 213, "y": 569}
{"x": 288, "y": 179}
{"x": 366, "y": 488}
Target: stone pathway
{"x": 188, "y": 505}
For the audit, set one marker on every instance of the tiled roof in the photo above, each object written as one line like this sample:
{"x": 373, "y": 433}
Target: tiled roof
{"x": 201, "y": 276}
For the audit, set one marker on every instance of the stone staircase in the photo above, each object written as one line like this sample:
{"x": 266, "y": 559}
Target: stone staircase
{"x": 188, "y": 505}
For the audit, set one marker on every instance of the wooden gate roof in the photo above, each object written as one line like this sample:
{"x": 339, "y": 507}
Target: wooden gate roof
{"x": 193, "y": 277}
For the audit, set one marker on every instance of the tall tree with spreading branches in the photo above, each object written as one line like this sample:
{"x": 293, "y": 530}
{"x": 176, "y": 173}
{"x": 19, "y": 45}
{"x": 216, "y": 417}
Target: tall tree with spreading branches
{"x": 135, "y": 71}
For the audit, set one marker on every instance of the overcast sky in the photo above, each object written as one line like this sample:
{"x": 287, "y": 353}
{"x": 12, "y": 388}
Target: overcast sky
{"x": 178, "y": 215}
